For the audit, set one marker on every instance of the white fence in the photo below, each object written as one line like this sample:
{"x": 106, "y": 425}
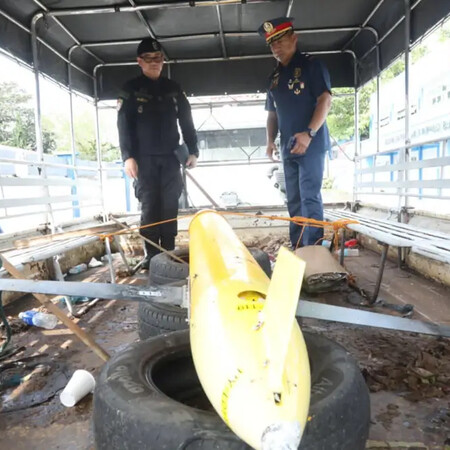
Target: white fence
{"x": 55, "y": 191}
{"x": 414, "y": 176}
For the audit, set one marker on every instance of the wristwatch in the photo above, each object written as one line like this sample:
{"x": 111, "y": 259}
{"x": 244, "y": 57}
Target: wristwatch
{"x": 311, "y": 132}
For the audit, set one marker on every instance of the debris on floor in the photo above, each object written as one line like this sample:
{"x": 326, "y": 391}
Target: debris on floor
{"x": 416, "y": 366}
{"x": 270, "y": 244}
{"x": 409, "y": 375}
{"x": 33, "y": 385}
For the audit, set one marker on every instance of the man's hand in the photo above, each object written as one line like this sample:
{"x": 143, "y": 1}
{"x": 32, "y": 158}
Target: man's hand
{"x": 191, "y": 162}
{"x": 131, "y": 168}
{"x": 302, "y": 141}
{"x": 271, "y": 150}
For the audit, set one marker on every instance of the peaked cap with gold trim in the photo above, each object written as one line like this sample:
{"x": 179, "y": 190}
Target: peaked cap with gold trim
{"x": 274, "y": 29}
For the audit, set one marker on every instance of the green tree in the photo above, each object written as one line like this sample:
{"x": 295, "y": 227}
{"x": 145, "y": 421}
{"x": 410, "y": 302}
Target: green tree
{"x": 85, "y": 141}
{"x": 444, "y": 32}
{"x": 88, "y": 150}
{"x": 17, "y": 124}
{"x": 341, "y": 117}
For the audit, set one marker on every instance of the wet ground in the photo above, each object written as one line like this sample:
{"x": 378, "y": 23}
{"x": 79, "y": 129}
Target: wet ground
{"x": 408, "y": 374}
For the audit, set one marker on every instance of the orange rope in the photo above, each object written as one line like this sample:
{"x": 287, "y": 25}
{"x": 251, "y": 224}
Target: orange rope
{"x": 141, "y": 227}
{"x": 301, "y": 221}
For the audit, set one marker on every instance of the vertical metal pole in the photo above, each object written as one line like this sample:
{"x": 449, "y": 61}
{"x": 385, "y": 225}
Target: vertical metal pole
{"x": 127, "y": 186}
{"x": 37, "y": 106}
{"x": 184, "y": 193}
{"x": 60, "y": 277}
{"x": 99, "y": 147}
{"x": 441, "y": 154}
{"x": 407, "y": 107}
{"x": 342, "y": 249}
{"x": 112, "y": 274}
{"x": 378, "y": 98}
{"x": 74, "y": 187}
{"x": 37, "y": 119}
{"x": 356, "y": 131}
{"x": 384, "y": 252}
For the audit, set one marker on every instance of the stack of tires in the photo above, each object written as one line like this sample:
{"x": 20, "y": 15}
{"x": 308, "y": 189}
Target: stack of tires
{"x": 149, "y": 395}
{"x": 154, "y": 318}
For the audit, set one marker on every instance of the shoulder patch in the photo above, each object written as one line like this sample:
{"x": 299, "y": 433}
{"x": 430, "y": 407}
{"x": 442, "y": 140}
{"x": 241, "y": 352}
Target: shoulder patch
{"x": 125, "y": 95}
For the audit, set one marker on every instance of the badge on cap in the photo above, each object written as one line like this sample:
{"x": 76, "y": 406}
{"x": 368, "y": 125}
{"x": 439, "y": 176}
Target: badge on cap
{"x": 268, "y": 27}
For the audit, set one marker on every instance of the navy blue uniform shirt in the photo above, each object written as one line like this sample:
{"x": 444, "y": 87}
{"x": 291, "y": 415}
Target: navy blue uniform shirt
{"x": 148, "y": 115}
{"x": 293, "y": 94}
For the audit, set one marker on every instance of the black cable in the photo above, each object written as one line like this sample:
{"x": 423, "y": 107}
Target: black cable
{"x": 6, "y": 324}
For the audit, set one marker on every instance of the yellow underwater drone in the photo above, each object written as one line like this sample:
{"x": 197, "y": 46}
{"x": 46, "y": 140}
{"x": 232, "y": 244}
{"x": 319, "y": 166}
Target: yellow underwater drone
{"x": 247, "y": 347}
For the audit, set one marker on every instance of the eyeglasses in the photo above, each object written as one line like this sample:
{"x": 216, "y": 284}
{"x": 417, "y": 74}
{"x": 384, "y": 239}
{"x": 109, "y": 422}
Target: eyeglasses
{"x": 150, "y": 59}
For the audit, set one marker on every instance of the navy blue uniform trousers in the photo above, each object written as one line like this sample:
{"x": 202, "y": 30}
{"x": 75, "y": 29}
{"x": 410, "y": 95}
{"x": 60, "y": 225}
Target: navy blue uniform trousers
{"x": 303, "y": 176}
{"x": 158, "y": 188}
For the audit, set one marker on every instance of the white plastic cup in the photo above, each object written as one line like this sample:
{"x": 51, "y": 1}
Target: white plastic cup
{"x": 81, "y": 384}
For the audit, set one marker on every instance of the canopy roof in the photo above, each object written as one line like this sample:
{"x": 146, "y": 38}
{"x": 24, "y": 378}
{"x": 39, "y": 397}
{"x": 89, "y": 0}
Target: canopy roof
{"x": 211, "y": 46}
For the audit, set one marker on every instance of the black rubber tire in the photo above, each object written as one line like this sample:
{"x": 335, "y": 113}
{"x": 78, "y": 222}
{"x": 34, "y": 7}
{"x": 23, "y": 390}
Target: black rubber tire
{"x": 165, "y": 270}
{"x": 149, "y": 397}
{"x": 262, "y": 258}
{"x": 155, "y": 319}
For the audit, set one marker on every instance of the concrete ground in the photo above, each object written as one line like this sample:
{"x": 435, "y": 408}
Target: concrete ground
{"x": 410, "y": 409}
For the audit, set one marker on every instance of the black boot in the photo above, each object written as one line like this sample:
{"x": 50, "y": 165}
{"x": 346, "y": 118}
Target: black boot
{"x": 150, "y": 252}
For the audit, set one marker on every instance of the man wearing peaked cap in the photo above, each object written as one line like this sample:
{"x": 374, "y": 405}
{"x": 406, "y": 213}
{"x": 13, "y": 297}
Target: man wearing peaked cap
{"x": 274, "y": 29}
{"x": 150, "y": 108}
{"x": 298, "y": 102}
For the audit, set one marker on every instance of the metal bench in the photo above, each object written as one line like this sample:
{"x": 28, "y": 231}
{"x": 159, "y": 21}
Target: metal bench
{"x": 429, "y": 243}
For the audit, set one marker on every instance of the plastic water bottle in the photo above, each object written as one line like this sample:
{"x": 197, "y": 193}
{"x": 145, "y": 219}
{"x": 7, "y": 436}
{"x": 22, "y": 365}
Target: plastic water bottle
{"x": 39, "y": 319}
{"x": 326, "y": 243}
{"x": 78, "y": 269}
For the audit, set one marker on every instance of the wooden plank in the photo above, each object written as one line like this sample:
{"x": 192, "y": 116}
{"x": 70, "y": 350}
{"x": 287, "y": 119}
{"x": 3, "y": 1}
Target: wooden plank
{"x": 40, "y": 240}
{"x": 81, "y": 334}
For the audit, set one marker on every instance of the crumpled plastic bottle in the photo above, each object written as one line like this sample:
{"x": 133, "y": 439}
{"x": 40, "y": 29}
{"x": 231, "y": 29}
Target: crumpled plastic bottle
{"x": 38, "y": 319}
{"x": 78, "y": 269}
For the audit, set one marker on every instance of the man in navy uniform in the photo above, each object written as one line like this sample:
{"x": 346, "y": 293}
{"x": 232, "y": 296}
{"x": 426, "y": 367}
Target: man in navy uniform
{"x": 298, "y": 101}
{"x": 149, "y": 110}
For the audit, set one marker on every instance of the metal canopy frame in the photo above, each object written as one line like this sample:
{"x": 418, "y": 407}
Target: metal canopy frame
{"x": 88, "y": 48}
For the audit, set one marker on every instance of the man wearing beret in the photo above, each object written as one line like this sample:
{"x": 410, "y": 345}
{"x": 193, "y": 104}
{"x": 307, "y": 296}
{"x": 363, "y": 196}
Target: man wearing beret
{"x": 149, "y": 110}
{"x": 298, "y": 101}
